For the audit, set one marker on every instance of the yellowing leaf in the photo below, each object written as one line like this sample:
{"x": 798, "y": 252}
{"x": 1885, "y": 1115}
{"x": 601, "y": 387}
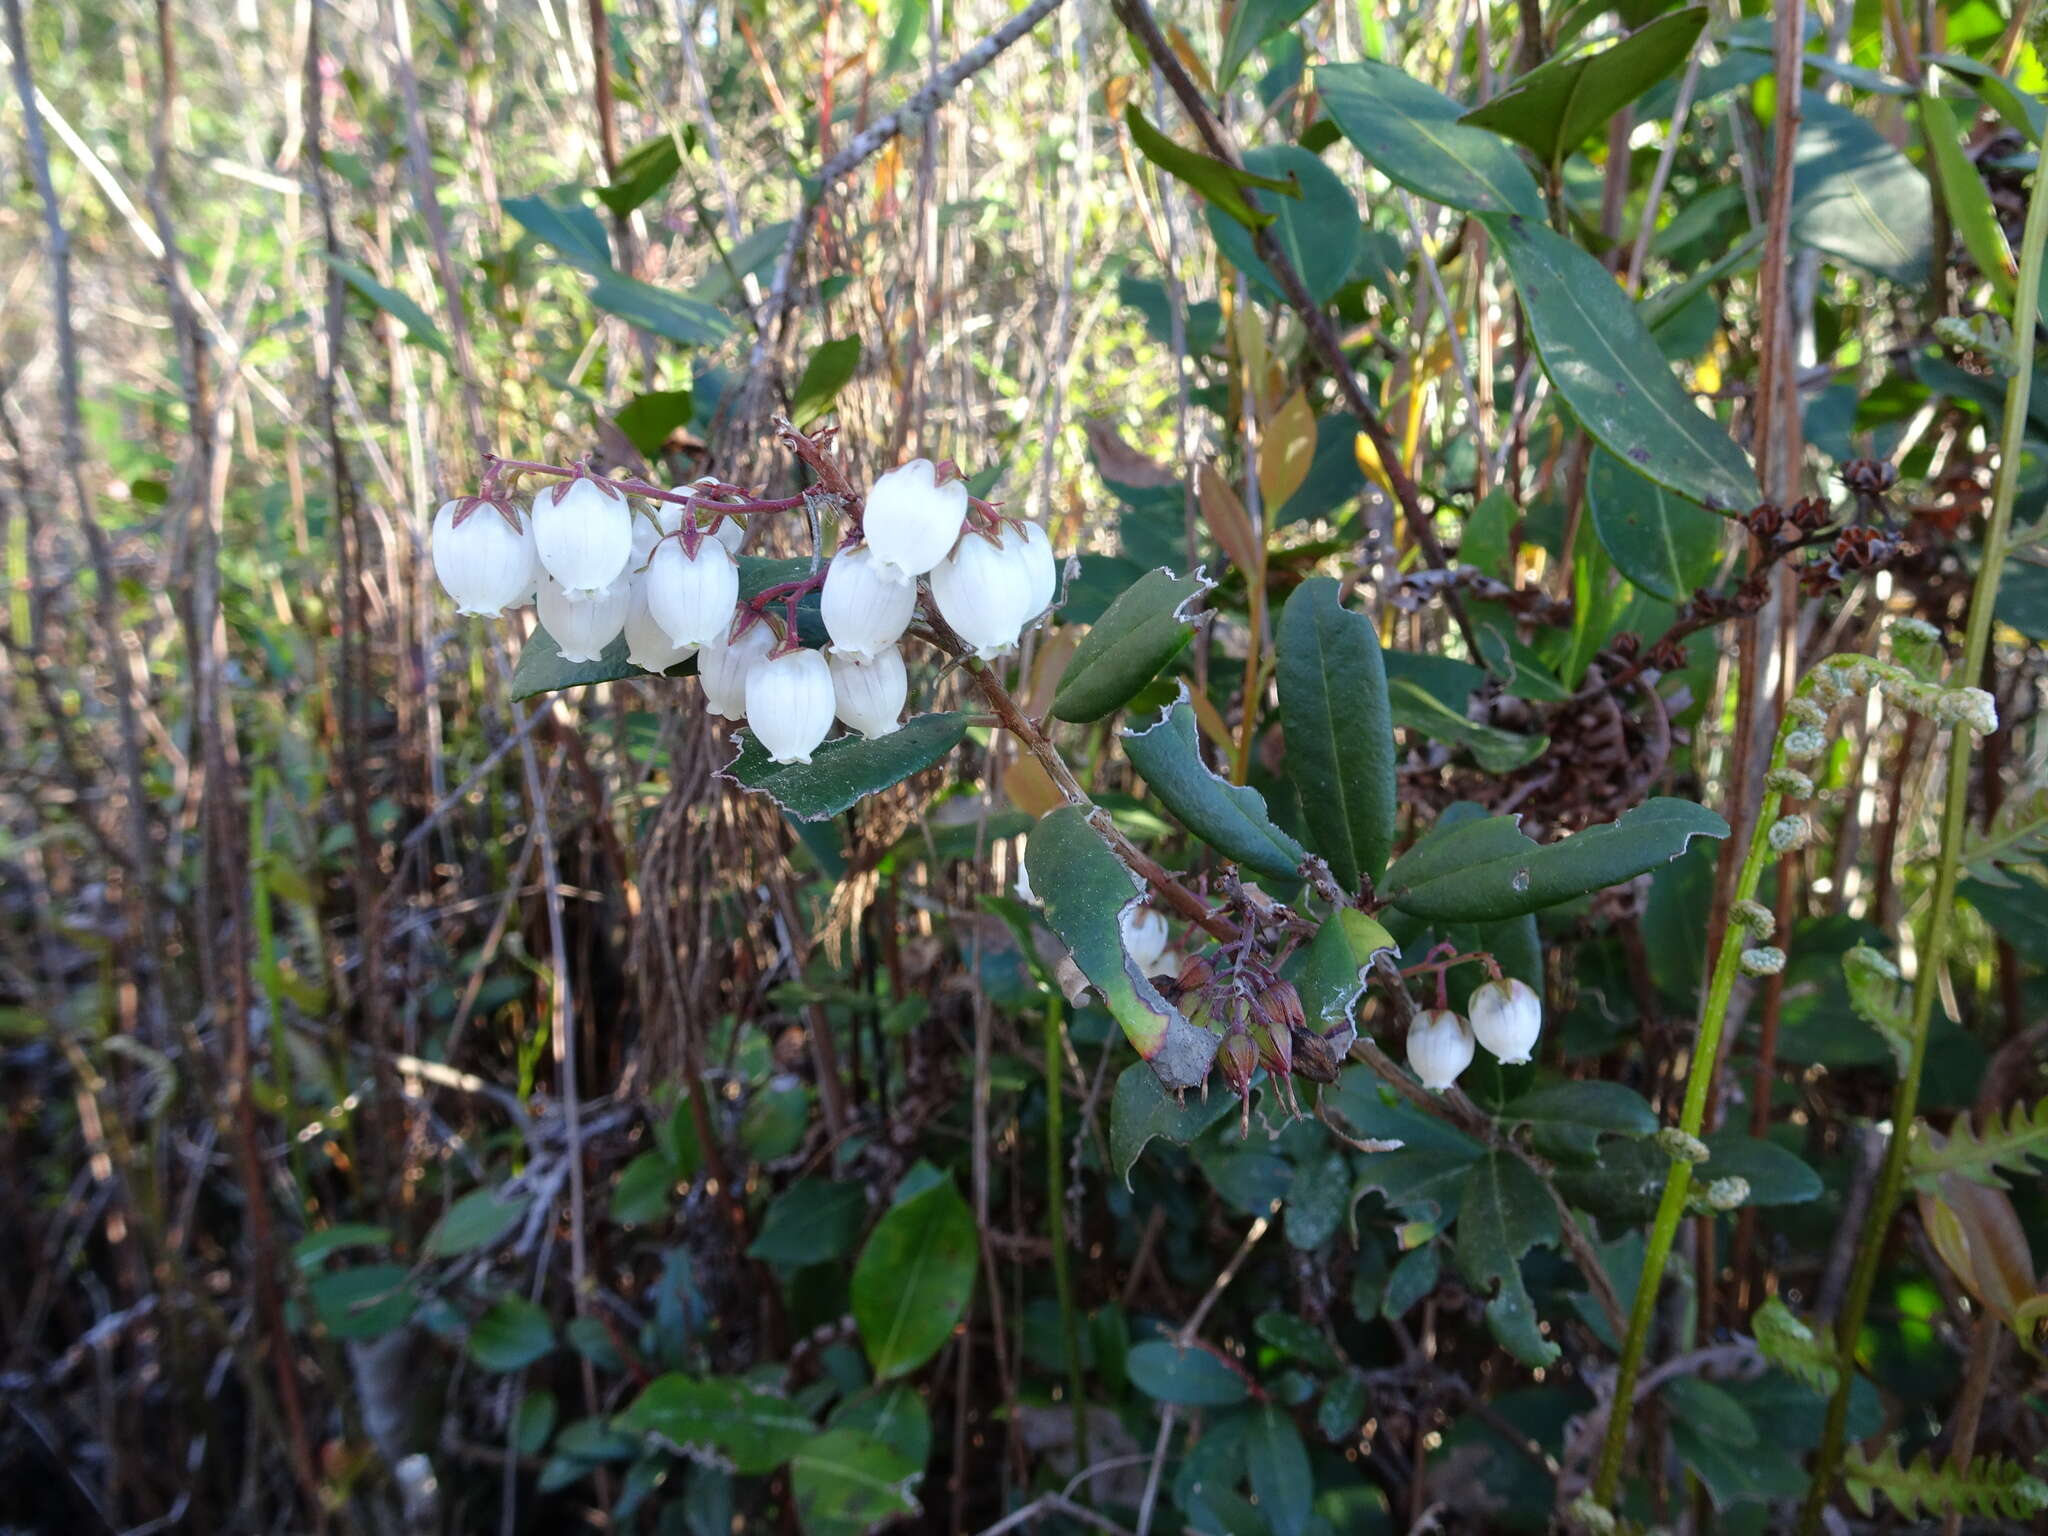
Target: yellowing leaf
{"x": 1227, "y": 519}
{"x": 1288, "y": 451}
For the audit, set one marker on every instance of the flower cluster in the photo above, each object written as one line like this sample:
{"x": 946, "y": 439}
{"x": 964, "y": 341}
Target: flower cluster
{"x": 667, "y": 578}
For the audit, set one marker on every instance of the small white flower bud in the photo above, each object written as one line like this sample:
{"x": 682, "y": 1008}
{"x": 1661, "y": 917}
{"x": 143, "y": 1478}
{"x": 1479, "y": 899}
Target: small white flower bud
{"x": 723, "y": 664}
{"x": 789, "y": 704}
{"x": 485, "y": 564}
{"x": 1764, "y": 960}
{"x": 692, "y": 598}
{"x": 866, "y": 605}
{"x": 1789, "y": 781}
{"x": 868, "y": 691}
{"x": 1040, "y": 569}
{"x": 583, "y": 534}
{"x": 1507, "y": 1016}
{"x": 910, "y": 520}
{"x": 648, "y": 646}
{"x": 1726, "y": 1194}
{"x": 984, "y": 592}
{"x": 1804, "y": 744}
{"x": 1788, "y": 833}
{"x": 1440, "y": 1046}
{"x": 1681, "y": 1148}
{"x": 1755, "y": 916}
{"x": 582, "y": 627}
{"x": 1146, "y": 937}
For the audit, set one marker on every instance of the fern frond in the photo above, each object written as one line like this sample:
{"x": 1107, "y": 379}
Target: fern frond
{"x": 1879, "y": 999}
{"x": 2008, "y": 1141}
{"x": 1794, "y": 1348}
{"x": 1989, "y": 1488}
{"x": 2017, "y": 835}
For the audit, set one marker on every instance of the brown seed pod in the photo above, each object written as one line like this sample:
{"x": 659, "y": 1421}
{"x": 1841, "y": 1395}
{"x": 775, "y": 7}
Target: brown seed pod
{"x": 1314, "y": 1057}
{"x": 1237, "y": 1058}
{"x": 1869, "y": 477}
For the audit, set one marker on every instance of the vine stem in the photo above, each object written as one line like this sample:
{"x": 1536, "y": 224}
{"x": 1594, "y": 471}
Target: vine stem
{"x": 1954, "y": 815}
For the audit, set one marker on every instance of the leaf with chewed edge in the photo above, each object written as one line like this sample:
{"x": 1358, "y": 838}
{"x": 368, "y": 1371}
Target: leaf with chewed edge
{"x": 754, "y": 1429}
{"x": 1231, "y": 818}
{"x": 1331, "y": 970}
{"x": 1503, "y": 1211}
{"x": 1125, "y": 649}
{"x": 845, "y": 770}
{"x": 1140, "y": 1109}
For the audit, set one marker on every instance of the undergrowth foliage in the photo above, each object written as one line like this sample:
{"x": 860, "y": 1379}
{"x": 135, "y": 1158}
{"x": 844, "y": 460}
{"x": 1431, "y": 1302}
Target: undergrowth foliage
{"x": 1269, "y": 768}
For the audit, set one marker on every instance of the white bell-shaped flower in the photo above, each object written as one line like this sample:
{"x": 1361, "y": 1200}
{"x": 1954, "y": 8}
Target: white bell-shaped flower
{"x": 583, "y": 533}
{"x": 692, "y": 596}
{"x": 1041, "y": 571}
{"x": 485, "y": 564}
{"x": 731, "y": 532}
{"x": 868, "y": 691}
{"x": 723, "y": 664}
{"x": 583, "y": 626}
{"x": 1507, "y": 1016}
{"x": 984, "y": 592}
{"x": 789, "y": 704}
{"x": 1439, "y": 1048}
{"x": 911, "y": 520}
{"x": 866, "y": 606}
{"x": 648, "y": 646}
{"x": 1146, "y": 937}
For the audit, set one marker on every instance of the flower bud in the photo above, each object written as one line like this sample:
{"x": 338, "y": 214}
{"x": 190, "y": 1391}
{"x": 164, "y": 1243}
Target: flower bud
{"x": 1145, "y": 937}
{"x": 485, "y": 563}
{"x": 692, "y": 598}
{"x": 1239, "y": 1059}
{"x": 868, "y": 691}
{"x": 984, "y": 592}
{"x": 583, "y": 534}
{"x": 911, "y": 520}
{"x": 583, "y": 627}
{"x": 866, "y": 605}
{"x": 1195, "y": 973}
{"x": 1507, "y": 1016}
{"x": 1281, "y": 1004}
{"x": 1439, "y": 1048}
{"x": 1034, "y": 553}
{"x": 648, "y": 646}
{"x": 723, "y": 664}
{"x": 1276, "y": 1047}
{"x": 789, "y": 703}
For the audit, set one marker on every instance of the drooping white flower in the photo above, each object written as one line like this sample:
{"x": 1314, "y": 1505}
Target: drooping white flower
{"x": 722, "y": 667}
{"x": 1146, "y": 937}
{"x": 1439, "y": 1048}
{"x": 984, "y": 592}
{"x": 648, "y": 646}
{"x": 732, "y": 532}
{"x": 692, "y": 597}
{"x": 911, "y": 520}
{"x": 1034, "y": 553}
{"x": 789, "y": 704}
{"x": 1507, "y": 1016}
{"x": 583, "y": 533}
{"x": 866, "y": 605}
{"x": 868, "y": 691}
{"x": 485, "y": 565}
{"x": 583, "y": 626}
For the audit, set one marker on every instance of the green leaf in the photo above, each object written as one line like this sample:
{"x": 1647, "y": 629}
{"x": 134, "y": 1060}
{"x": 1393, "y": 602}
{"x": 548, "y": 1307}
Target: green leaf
{"x": 1140, "y": 1109}
{"x": 1412, "y": 1279}
{"x": 1577, "y": 1113}
{"x": 1317, "y": 228}
{"x": 511, "y": 1335}
{"x": 1709, "y": 1411}
{"x": 845, "y": 1483}
{"x": 894, "y": 1415}
{"x": 1216, "y": 183}
{"x": 2022, "y": 113}
{"x": 1603, "y": 363}
{"x": 1252, "y": 22}
{"x": 645, "y": 1187}
{"x": 1789, "y": 1343}
{"x": 1317, "y": 1199}
{"x": 756, "y": 1430}
{"x": 541, "y": 668}
{"x": 1989, "y": 1487}
{"x": 309, "y": 1250}
{"x": 1413, "y": 136}
{"x": 1343, "y": 1407}
{"x": 1774, "y": 1175}
{"x": 643, "y": 171}
{"x": 914, "y": 1278}
{"x": 843, "y": 771}
{"x": 1498, "y": 751}
{"x": 1563, "y": 102}
{"x": 649, "y": 419}
{"x": 363, "y": 1303}
{"x": 1503, "y": 1212}
{"x": 1963, "y": 194}
{"x": 828, "y": 371}
{"x": 1331, "y": 972}
{"x": 1228, "y": 817}
{"x": 1278, "y": 1464}
{"x": 811, "y": 1221}
{"x": 1194, "y": 1377}
{"x": 1486, "y": 870}
{"x": 395, "y": 304}
{"x": 1125, "y": 649}
{"x": 1855, "y": 197}
{"x": 2009, "y": 1141}
{"x": 1340, "y": 735}
{"x": 1663, "y": 543}
{"x": 1085, "y": 888}
{"x": 478, "y": 1220}
{"x": 576, "y": 233}
{"x": 1297, "y": 1338}
{"x": 673, "y": 316}
{"x": 534, "y": 1422}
